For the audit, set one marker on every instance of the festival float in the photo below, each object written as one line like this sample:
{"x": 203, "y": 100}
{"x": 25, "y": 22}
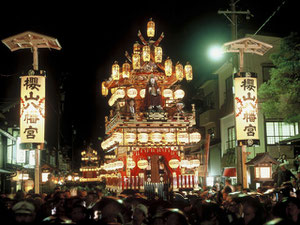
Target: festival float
{"x": 148, "y": 130}
{"x": 89, "y": 165}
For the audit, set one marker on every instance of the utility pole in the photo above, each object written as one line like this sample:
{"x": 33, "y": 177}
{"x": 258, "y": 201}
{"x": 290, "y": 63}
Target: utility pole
{"x": 33, "y": 41}
{"x": 232, "y": 16}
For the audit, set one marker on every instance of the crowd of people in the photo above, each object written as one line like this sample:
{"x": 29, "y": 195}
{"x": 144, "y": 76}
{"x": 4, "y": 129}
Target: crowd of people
{"x": 229, "y": 205}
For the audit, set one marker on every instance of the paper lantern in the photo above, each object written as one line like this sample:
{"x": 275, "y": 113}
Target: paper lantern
{"x": 179, "y": 94}
{"x": 168, "y": 67}
{"x": 170, "y": 137}
{"x": 184, "y": 163}
{"x": 104, "y": 89}
{"x": 143, "y": 137}
{"x": 126, "y": 70}
{"x": 136, "y": 64}
{"x": 132, "y": 93}
{"x": 195, "y": 163}
{"x": 158, "y": 54}
{"x": 174, "y": 163}
{"x": 167, "y": 93}
{"x": 119, "y": 164}
{"x": 150, "y": 28}
{"x": 117, "y": 137}
{"x": 188, "y": 72}
{"x": 130, "y": 163}
{"x": 146, "y": 53}
{"x": 183, "y": 137}
{"x": 115, "y": 71}
{"x": 136, "y": 48}
{"x": 195, "y": 137}
{"x": 142, "y": 93}
{"x": 142, "y": 164}
{"x": 179, "y": 71}
{"x": 156, "y": 137}
{"x": 130, "y": 137}
{"x": 120, "y": 93}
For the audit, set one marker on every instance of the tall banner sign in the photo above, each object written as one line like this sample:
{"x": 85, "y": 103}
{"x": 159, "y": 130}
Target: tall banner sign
{"x": 32, "y": 109}
{"x": 246, "y": 108}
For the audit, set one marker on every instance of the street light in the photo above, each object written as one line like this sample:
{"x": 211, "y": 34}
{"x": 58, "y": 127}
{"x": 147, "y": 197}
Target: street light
{"x": 216, "y": 52}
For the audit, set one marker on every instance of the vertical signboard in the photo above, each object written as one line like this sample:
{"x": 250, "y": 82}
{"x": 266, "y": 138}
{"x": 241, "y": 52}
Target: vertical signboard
{"x": 246, "y": 109}
{"x": 32, "y": 109}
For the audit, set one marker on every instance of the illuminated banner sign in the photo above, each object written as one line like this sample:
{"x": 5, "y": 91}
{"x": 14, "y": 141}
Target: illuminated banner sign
{"x": 246, "y": 110}
{"x": 32, "y": 109}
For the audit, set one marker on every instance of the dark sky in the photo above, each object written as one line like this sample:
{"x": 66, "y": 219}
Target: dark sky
{"x": 95, "y": 34}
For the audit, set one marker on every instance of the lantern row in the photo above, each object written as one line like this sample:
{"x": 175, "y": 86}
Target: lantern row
{"x": 143, "y": 138}
{"x": 143, "y": 164}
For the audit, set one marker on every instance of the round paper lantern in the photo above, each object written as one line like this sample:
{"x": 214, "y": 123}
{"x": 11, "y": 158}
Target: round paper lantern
{"x": 142, "y": 164}
{"x": 126, "y": 70}
{"x": 174, "y": 163}
{"x": 184, "y": 163}
{"x": 115, "y": 71}
{"x": 136, "y": 64}
{"x": 170, "y": 137}
{"x": 130, "y": 163}
{"x": 195, "y": 137}
{"x": 158, "y": 54}
{"x": 179, "y": 94}
{"x": 156, "y": 137}
{"x": 142, "y": 93}
{"x": 119, "y": 164}
{"x": 117, "y": 137}
{"x": 120, "y": 93}
{"x": 179, "y": 71}
{"x": 183, "y": 137}
{"x": 150, "y": 28}
{"x": 168, "y": 93}
{"x": 131, "y": 92}
{"x": 130, "y": 137}
{"x": 168, "y": 67}
{"x": 195, "y": 162}
{"x": 146, "y": 53}
{"x": 143, "y": 137}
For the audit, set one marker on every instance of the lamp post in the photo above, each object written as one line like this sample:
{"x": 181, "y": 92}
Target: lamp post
{"x": 245, "y": 100}
{"x": 34, "y": 127}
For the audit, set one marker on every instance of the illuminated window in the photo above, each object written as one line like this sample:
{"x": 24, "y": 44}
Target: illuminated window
{"x": 231, "y": 138}
{"x": 277, "y": 131}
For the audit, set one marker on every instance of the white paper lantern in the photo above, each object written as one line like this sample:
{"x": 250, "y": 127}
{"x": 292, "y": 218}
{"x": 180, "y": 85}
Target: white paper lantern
{"x": 174, "y": 163}
{"x": 142, "y": 164}
{"x": 156, "y": 137}
{"x": 143, "y": 93}
{"x": 170, "y": 137}
{"x": 183, "y": 137}
{"x": 143, "y": 137}
{"x": 195, "y": 137}
{"x": 168, "y": 93}
{"x": 132, "y": 93}
{"x": 130, "y": 137}
{"x": 179, "y": 94}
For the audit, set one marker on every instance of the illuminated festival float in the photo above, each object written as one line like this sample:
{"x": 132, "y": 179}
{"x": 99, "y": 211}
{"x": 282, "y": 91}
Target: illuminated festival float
{"x": 148, "y": 130}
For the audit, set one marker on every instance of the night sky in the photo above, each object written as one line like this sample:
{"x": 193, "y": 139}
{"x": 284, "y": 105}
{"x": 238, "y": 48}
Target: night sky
{"x": 95, "y": 34}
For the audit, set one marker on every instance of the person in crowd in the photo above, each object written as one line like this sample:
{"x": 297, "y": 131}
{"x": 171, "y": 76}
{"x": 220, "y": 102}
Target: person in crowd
{"x": 139, "y": 216}
{"x": 175, "y": 216}
{"x": 293, "y": 210}
{"x": 284, "y": 175}
{"x": 80, "y": 215}
{"x": 24, "y": 212}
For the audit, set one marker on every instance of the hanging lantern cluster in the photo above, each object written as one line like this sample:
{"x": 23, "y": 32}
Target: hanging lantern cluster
{"x": 130, "y": 138}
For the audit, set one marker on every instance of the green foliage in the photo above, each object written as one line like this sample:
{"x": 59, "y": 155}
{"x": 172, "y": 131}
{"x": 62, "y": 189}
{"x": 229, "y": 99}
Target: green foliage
{"x": 280, "y": 96}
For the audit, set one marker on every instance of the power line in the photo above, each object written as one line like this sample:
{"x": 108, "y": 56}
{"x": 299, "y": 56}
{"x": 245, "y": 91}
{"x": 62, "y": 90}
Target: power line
{"x": 278, "y": 8}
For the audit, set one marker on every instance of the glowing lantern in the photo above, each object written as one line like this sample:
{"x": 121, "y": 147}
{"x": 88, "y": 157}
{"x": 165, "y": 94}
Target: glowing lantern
{"x": 143, "y": 137}
{"x": 119, "y": 164}
{"x": 136, "y": 48}
{"x": 150, "y": 28}
{"x": 126, "y": 70}
{"x": 195, "y": 163}
{"x": 168, "y": 93}
{"x": 117, "y": 137}
{"x": 104, "y": 89}
{"x": 142, "y": 93}
{"x": 142, "y": 164}
{"x": 136, "y": 64}
{"x": 158, "y": 54}
{"x": 183, "y": 137}
{"x": 179, "y": 94}
{"x": 184, "y": 163}
{"x": 130, "y": 137}
{"x": 179, "y": 71}
{"x": 170, "y": 137}
{"x": 120, "y": 93}
{"x": 195, "y": 137}
{"x": 131, "y": 92}
{"x": 156, "y": 137}
{"x": 188, "y": 71}
{"x": 146, "y": 53}
{"x": 130, "y": 163}
{"x": 115, "y": 71}
{"x": 168, "y": 67}
{"x": 174, "y": 163}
